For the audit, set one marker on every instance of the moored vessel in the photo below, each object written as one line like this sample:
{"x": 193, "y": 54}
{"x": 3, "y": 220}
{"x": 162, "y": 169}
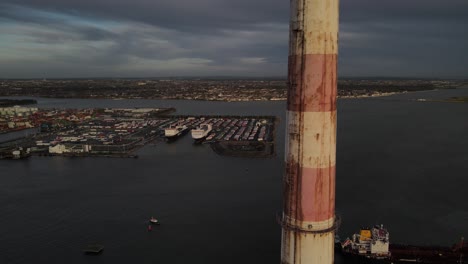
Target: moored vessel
{"x": 173, "y": 132}
{"x": 201, "y": 131}
{"x": 372, "y": 245}
{"x": 369, "y": 243}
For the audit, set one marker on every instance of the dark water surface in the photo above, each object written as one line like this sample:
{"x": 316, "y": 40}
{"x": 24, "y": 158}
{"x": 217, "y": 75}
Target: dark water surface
{"x": 401, "y": 163}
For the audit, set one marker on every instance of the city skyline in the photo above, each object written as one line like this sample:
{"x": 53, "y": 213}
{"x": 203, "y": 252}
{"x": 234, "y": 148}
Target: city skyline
{"x": 82, "y": 39}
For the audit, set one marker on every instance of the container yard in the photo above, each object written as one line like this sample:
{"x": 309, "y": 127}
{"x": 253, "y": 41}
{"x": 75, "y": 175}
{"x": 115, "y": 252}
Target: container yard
{"x": 120, "y": 132}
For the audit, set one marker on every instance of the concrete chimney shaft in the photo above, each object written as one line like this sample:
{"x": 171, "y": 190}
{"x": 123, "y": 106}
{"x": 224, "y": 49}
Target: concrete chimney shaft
{"x": 308, "y": 218}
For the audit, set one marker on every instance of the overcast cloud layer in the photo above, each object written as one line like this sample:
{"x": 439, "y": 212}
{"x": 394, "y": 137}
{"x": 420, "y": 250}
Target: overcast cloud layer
{"x": 151, "y": 38}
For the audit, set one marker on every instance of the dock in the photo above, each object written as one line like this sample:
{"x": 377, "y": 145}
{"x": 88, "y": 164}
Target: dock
{"x": 120, "y": 133}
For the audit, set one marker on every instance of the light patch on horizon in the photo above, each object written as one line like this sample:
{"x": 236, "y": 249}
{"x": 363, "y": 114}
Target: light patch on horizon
{"x": 253, "y": 60}
{"x": 143, "y": 64}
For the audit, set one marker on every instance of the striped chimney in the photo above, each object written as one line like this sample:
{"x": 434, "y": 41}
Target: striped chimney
{"x": 308, "y": 220}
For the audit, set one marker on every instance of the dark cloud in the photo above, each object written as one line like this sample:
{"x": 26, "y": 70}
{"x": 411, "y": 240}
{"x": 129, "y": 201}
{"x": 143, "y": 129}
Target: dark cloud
{"x": 403, "y": 10}
{"x": 184, "y": 15}
{"x": 404, "y": 38}
{"x": 424, "y": 38}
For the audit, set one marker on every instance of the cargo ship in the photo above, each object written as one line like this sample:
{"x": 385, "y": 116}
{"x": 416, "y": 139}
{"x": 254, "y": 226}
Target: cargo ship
{"x": 201, "y": 131}
{"x": 372, "y": 245}
{"x": 173, "y": 132}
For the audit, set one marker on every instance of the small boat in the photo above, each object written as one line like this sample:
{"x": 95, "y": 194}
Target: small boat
{"x": 154, "y": 221}
{"x": 93, "y": 249}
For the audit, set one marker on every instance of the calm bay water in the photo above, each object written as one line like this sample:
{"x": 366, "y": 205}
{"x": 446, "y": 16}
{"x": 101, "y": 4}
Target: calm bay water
{"x": 401, "y": 163}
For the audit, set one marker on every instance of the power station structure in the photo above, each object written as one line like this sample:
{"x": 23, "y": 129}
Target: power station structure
{"x": 308, "y": 219}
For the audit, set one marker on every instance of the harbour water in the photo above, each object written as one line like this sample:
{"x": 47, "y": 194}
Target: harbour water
{"x": 400, "y": 162}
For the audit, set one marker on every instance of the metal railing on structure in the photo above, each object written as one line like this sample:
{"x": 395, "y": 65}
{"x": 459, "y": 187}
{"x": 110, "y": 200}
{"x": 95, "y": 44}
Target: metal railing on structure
{"x": 286, "y": 225}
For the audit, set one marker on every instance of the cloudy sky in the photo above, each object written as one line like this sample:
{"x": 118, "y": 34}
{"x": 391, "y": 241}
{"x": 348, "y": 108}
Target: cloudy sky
{"x": 151, "y": 38}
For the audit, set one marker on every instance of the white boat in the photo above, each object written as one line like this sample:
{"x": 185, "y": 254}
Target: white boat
{"x": 154, "y": 221}
{"x": 174, "y": 131}
{"x": 201, "y": 131}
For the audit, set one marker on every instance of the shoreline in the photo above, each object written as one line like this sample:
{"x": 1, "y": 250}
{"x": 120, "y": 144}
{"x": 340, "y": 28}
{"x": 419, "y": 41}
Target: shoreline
{"x": 275, "y": 99}
{"x": 211, "y": 100}
{"x": 374, "y": 95}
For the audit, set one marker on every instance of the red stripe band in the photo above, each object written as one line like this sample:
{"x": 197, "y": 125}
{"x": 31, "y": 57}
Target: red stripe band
{"x": 315, "y": 90}
{"x": 317, "y": 194}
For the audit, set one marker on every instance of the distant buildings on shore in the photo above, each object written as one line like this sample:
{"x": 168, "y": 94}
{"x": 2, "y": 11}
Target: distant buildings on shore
{"x": 205, "y": 89}
{"x": 16, "y": 118}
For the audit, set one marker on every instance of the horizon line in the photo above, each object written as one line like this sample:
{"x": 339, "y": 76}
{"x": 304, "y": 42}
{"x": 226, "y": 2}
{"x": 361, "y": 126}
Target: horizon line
{"x": 240, "y": 77}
